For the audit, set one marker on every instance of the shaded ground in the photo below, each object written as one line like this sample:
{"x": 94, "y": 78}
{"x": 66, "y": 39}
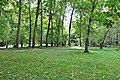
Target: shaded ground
{"x": 59, "y": 64}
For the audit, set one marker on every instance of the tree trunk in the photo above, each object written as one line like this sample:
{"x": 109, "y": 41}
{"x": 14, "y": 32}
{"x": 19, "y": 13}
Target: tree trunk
{"x": 12, "y": 24}
{"x": 117, "y": 40}
{"x": 58, "y": 36}
{"x": 80, "y": 39}
{"x": 101, "y": 44}
{"x": 50, "y": 17}
{"x": 110, "y": 39}
{"x": 88, "y": 36}
{"x": 88, "y": 32}
{"x": 58, "y": 31}
{"x": 48, "y": 29}
{"x": 41, "y": 27}
{"x": 19, "y": 24}
{"x": 69, "y": 42}
{"x": 52, "y": 24}
{"x": 51, "y": 32}
{"x": 7, "y": 43}
{"x": 21, "y": 43}
{"x": 80, "y": 31}
{"x": 34, "y": 34}
{"x": 63, "y": 17}
{"x": 30, "y": 31}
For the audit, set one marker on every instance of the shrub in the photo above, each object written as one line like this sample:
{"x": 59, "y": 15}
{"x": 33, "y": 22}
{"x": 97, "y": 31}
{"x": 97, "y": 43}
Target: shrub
{"x": 118, "y": 48}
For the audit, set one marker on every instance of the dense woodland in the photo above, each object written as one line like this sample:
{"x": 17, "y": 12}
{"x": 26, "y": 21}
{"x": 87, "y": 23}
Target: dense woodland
{"x": 37, "y": 23}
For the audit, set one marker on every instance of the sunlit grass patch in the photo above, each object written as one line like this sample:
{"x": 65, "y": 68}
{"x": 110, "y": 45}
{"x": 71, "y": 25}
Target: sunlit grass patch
{"x": 59, "y": 64}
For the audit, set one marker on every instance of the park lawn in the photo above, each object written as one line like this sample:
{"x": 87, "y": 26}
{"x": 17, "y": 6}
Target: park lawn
{"x": 59, "y": 64}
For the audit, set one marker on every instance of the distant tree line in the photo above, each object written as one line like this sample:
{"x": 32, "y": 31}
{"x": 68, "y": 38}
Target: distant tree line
{"x": 41, "y": 23}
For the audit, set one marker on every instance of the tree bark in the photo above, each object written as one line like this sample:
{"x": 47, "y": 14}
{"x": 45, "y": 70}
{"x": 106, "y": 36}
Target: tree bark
{"x": 51, "y": 32}
{"x": 69, "y": 42}
{"x": 101, "y": 44}
{"x": 30, "y": 30}
{"x": 21, "y": 43}
{"x": 80, "y": 31}
{"x": 19, "y": 24}
{"x": 7, "y": 43}
{"x": 58, "y": 33}
{"x": 48, "y": 29}
{"x": 52, "y": 24}
{"x": 117, "y": 40}
{"x": 41, "y": 26}
{"x": 34, "y": 34}
{"x": 88, "y": 32}
{"x": 58, "y": 29}
{"x": 88, "y": 36}
{"x": 50, "y": 17}
{"x": 80, "y": 40}
{"x": 63, "y": 17}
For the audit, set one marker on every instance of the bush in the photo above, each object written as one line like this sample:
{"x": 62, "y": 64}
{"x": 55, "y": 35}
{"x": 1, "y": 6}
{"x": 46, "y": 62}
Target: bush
{"x": 118, "y": 48}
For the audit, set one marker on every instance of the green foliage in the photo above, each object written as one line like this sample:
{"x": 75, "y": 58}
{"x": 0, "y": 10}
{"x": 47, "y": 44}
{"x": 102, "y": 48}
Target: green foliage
{"x": 108, "y": 23}
{"x": 4, "y": 28}
{"x": 118, "y": 48}
{"x": 101, "y": 20}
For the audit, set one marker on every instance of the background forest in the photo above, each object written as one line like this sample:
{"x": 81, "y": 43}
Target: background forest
{"x": 37, "y": 23}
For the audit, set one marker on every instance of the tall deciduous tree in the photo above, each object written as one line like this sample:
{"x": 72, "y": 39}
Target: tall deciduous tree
{"x": 30, "y": 31}
{"x": 49, "y": 21}
{"x": 80, "y": 37}
{"x": 41, "y": 26}
{"x": 63, "y": 18}
{"x": 36, "y": 20}
{"x": 94, "y": 4}
{"x": 69, "y": 43}
{"x": 19, "y": 24}
{"x": 108, "y": 24}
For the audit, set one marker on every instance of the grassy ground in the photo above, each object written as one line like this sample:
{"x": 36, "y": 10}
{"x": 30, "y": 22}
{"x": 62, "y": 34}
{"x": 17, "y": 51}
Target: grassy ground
{"x": 59, "y": 64}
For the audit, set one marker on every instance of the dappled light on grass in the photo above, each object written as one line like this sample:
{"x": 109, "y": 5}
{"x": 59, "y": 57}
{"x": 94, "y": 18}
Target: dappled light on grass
{"x": 59, "y": 64}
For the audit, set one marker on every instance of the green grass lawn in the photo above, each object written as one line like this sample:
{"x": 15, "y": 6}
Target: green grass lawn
{"x": 59, "y": 64}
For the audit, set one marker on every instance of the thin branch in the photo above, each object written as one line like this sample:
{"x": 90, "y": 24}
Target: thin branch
{"x": 91, "y": 1}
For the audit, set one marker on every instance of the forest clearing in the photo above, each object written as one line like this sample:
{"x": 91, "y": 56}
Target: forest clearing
{"x": 59, "y": 39}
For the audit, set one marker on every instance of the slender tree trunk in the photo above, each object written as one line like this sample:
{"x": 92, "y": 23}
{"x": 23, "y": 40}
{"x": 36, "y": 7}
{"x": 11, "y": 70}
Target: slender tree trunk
{"x": 80, "y": 31}
{"x": 51, "y": 32}
{"x": 30, "y": 31}
{"x": 62, "y": 32}
{"x": 41, "y": 26}
{"x": 7, "y": 43}
{"x": 48, "y": 29}
{"x": 110, "y": 39}
{"x": 80, "y": 37}
{"x": 19, "y": 24}
{"x": 52, "y": 23}
{"x": 88, "y": 36}
{"x": 69, "y": 42}
{"x": 34, "y": 34}
{"x": 58, "y": 30}
{"x": 63, "y": 17}
{"x": 21, "y": 43}
{"x": 88, "y": 32}
{"x": 11, "y": 24}
{"x": 50, "y": 17}
{"x": 101, "y": 44}
{"x": 117, "y": 40}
